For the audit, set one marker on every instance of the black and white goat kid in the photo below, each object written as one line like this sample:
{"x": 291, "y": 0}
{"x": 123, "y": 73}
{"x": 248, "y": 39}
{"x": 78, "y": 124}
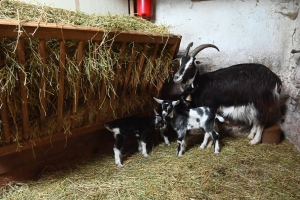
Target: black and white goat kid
{"x": 244, "y": 92}
{"x": 133, "y": 126}
{"x": 182, "y": 119}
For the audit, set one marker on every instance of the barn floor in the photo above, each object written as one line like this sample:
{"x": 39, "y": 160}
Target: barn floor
{"x": 240, "y": 171}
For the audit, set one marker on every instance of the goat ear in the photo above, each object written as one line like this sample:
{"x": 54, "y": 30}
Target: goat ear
{"x": 174, "y": 103}
{"x": 155, "y": 111}
{"x": 158, "y": 100}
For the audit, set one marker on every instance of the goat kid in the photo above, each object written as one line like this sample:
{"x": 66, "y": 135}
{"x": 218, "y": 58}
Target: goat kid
{"x": 183, "y": 105}
{"x": 130, "y": 126}
{"x": 183, "y": 119}
{"x": 245, "y": 92}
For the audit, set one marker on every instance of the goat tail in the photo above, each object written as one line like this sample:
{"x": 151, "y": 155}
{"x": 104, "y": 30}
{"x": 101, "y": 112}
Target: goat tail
{"x": 220, "y": 118}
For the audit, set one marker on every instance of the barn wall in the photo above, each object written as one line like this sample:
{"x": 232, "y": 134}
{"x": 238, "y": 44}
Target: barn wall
{"x": 87, "y": 6}
{"x": 245, "y": 31}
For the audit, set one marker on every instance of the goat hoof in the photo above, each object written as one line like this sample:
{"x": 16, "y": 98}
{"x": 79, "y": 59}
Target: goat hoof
{"x": 120, "y": 165}
{"x": 250, "y": 136}
{"x": 202, "y": 147}
{"x": 145, "y": 155}
{"x": 179, "y": 154}
{"x": 252, "y": 142}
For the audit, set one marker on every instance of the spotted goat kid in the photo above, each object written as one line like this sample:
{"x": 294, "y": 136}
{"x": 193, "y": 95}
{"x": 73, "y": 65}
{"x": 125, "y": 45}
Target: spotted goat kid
{"x": 133, "y": 126}
{"x": 181, "y": 119}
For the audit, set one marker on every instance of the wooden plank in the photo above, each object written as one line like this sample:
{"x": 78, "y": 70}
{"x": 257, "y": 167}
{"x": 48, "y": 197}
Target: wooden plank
{"x": 4, "y": 118}
{"x": 140, "y": 67}
{"x": 24, "y": 101}
{"x": 63, "y": 32}
{"x": 61, "y": 83}
{"x": 90, "y": 92}
{"x": 174, "y": 51}
{"x": 153, "y": 57}
{"x": 116, "y": 79}
{"x": 4, "y": 112}
{"x": 79, "y": 56}
{"x": 102, "y": 95}
{"x": 127, "y": 78}
{"x": 43, "y": 55}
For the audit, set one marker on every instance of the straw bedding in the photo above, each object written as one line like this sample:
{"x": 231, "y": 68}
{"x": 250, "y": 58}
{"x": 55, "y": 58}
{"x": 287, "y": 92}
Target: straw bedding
{"x": 240, "y": 171}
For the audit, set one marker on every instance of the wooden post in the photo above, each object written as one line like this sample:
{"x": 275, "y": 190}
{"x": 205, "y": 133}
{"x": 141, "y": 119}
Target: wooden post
{"x": 43, "y": 55}
{"x": 4, "y": 113}
{"x": 116, "y": 79}
{"x": 61, "y": 83}
{"x": 140, "y": 67}
{"x": 174, "y": 51}
{"x": 21, "y": 60}
{"x": 90, "y": 92}
{"x": 154, "y": 54}
{"x": 4, "y": 118}
{"x": 127, "y": 78}
{"x": 79, "y": 56}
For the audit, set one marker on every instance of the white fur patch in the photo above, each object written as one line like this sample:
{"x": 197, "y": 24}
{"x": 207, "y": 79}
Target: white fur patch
{"x": 116, "y": 131}
{"x": 247, "y": 113}
{"x": 192, "y": 121}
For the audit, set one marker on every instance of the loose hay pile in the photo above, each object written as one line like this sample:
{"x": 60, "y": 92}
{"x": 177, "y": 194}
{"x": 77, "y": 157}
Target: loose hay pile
{"x": 240, "y": 171}
{"x": 100, "y": 61}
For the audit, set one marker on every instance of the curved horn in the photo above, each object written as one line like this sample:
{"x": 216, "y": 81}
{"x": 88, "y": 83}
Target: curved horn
{"x": 188, "y": 48}
{"x": 200, "y": 48}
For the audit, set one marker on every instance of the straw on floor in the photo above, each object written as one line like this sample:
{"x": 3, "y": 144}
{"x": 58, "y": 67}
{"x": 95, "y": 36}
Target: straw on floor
{"x": 239, "y": 171}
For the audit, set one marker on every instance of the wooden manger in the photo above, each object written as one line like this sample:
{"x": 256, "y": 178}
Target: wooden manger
{"x": 61, "y": 83}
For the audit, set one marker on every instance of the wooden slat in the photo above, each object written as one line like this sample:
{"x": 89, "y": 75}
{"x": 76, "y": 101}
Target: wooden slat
{"x": 90, "y": 92}
{"x": 61, "y": 83}
{"x": 43, "y": 55}
{"x": 4, "y": 118}
{"x": 4, "y": 112}
{"x": 103, "y": 90}
{"x": 63, "y": 32}
{"x": 153, "y": 57}
{"x": 116, "y": 79}
{"x": 79, "y": 56}
{"x": 127, "y": 78}
{"x": 24, "y": 101}
{"x": 174, "y": 51}
{"x": 140, "y": 67}
{"x": 102, "y": 95}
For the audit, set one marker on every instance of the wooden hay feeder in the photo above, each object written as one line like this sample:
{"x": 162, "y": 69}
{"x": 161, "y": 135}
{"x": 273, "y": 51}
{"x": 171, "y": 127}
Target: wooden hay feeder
{"x": 51, "y": 112}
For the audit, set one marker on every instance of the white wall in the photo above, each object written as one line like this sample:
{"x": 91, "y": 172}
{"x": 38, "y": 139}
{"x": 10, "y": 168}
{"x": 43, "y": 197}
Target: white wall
{"x": 87, "y": 6}
{"x": 263, "y": 31}
{"x": 243, "y": 30}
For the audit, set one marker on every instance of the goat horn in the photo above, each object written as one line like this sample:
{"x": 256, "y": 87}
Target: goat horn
{"x": 295, "y": 51}
{"x": 200, "y": 48}
{"x": 188, "y": 48}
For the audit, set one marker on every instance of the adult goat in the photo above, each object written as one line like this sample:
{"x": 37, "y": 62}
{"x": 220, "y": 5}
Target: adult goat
{"x": 246, "y": 92}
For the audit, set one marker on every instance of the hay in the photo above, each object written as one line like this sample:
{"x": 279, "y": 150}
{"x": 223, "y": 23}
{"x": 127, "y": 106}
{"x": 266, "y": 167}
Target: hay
{"x": 11, "y": 9}
{"x": 240, "y": 171}
{"x": 100, "y": 61}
